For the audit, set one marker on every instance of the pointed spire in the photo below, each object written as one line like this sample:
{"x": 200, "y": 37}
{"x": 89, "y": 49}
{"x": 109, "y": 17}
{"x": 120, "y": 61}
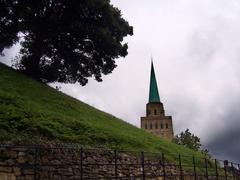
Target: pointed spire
{"x": 153, "y": 91}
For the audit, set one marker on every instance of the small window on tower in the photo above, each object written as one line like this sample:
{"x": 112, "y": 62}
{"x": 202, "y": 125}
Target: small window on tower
{"x": 161, "y": 126}
{"x": 151, "y": 126}
{"x": 167, "y": 125}
{"x": 146, "y": 126}
{"x": 155, "y": 112}
{"x": 156, "y": 126}
{"x": 148, "y": 112}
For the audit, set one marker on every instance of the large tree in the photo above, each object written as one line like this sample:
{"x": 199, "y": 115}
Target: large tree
{"x": 64, "y": 40}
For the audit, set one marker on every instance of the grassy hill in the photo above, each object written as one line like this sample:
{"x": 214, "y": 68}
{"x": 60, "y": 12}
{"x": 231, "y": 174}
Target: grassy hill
{"x": 32, "y": 112}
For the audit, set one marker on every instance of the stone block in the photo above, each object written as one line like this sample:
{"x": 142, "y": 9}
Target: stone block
{"x": 5, "y": 169}
{"x": 17, "y": 171}
{"x": 21, "y": 159}
{"x": 28, "y": 171}
{"x": 13, "y": 154}
{"x": 6, "y": 176}
{"x": 21, "y": 153}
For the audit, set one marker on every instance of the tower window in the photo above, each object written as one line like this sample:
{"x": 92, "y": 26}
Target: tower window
{"x": 167, "y": 125}
{"x": 151, "y": 126}
{"x": 156, "y": 126}
{"x": 155, "y": 112}
{"x": 148, "y": 112}
{"x": 146, "y": 126}
{"x": 161, "y": 126}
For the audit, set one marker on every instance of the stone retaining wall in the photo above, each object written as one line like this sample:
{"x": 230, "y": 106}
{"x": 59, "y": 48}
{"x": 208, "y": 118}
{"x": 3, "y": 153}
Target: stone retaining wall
{"x": 32, "y": 163}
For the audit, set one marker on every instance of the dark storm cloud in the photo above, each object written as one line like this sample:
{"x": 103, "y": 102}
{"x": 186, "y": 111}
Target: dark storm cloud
{"x": 226, "y": 145}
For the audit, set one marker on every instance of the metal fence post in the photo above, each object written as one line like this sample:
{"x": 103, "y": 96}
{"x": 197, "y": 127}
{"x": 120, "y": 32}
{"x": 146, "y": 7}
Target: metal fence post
{"x": 216, "y": 169}
{"x": 238, "y": 174}
{"x": 180, "y": 166}
{"x": 143, "y": 166}
{"x": 194, "y": 168}
{"x": 35, "y": 162}
{"x": 163, "y": 165}
{"x": 81, "y": 163}
{"x": 115, "y": 164}
{"x": 233, "y": 172}
{"x": 225, "y": 171}
{"x": 206, "y": 168}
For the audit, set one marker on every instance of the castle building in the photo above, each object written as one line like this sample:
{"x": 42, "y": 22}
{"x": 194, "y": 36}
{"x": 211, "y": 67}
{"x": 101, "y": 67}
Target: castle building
{"x": 155, "y": 121}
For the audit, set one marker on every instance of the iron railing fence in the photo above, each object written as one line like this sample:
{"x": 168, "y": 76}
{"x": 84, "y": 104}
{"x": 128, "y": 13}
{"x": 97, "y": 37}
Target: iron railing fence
{"x": 39, "y": 162}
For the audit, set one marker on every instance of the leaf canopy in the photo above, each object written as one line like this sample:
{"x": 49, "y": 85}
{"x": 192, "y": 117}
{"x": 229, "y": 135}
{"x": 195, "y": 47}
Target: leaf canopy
{"x": 64, "y": 40}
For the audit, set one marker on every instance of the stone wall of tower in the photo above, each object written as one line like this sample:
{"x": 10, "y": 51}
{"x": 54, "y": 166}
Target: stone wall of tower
{"x": 156, "y": 122}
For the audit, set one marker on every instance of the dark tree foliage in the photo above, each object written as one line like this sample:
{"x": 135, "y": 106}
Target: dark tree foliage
{"x": 189, "y": 140}
{"x": 64, "y": 40}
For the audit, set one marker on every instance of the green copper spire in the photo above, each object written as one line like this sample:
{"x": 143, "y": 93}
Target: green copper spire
{"x": 153, "y": 91}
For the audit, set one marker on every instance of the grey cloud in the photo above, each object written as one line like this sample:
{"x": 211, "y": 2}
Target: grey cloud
{"x": 226, "y": 144}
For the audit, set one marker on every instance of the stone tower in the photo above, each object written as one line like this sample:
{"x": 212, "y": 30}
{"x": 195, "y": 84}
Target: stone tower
{"x": 155, "y": 121}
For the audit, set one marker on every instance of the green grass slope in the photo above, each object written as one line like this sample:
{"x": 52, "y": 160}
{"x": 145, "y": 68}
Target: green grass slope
{"x": 32, "y": 112}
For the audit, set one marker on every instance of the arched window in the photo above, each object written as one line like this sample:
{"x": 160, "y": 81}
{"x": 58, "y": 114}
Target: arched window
{"x": 150, "y": 125}
{"x": 155, "y": 112}
{"x": 146, "y": 126}
{"x": 156, "y": 125}
{"x": 167, "y": 125}
{"x": 161, "y": 126}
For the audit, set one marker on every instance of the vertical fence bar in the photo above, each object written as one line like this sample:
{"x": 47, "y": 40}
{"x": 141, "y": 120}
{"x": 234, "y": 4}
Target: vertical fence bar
{"x": 180, "y": 166}
{"x": 216, "y": 169}
{"x": 233, "y": 172}
{"x": 143, "y": 166}
{"x": 206, "y": 169}
{"x": 81, "y": 163}
{"x": 194, "y": 168}
{"x": 163, "y": 166}
{"x": 35, "y": 162}
{"x": 115, "y": 163}
{"x": 225, "y": 171}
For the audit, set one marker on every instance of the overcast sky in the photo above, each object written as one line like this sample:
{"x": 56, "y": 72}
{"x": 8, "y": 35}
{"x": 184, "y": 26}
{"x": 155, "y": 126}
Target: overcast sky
{"x": 196, "y": 51}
